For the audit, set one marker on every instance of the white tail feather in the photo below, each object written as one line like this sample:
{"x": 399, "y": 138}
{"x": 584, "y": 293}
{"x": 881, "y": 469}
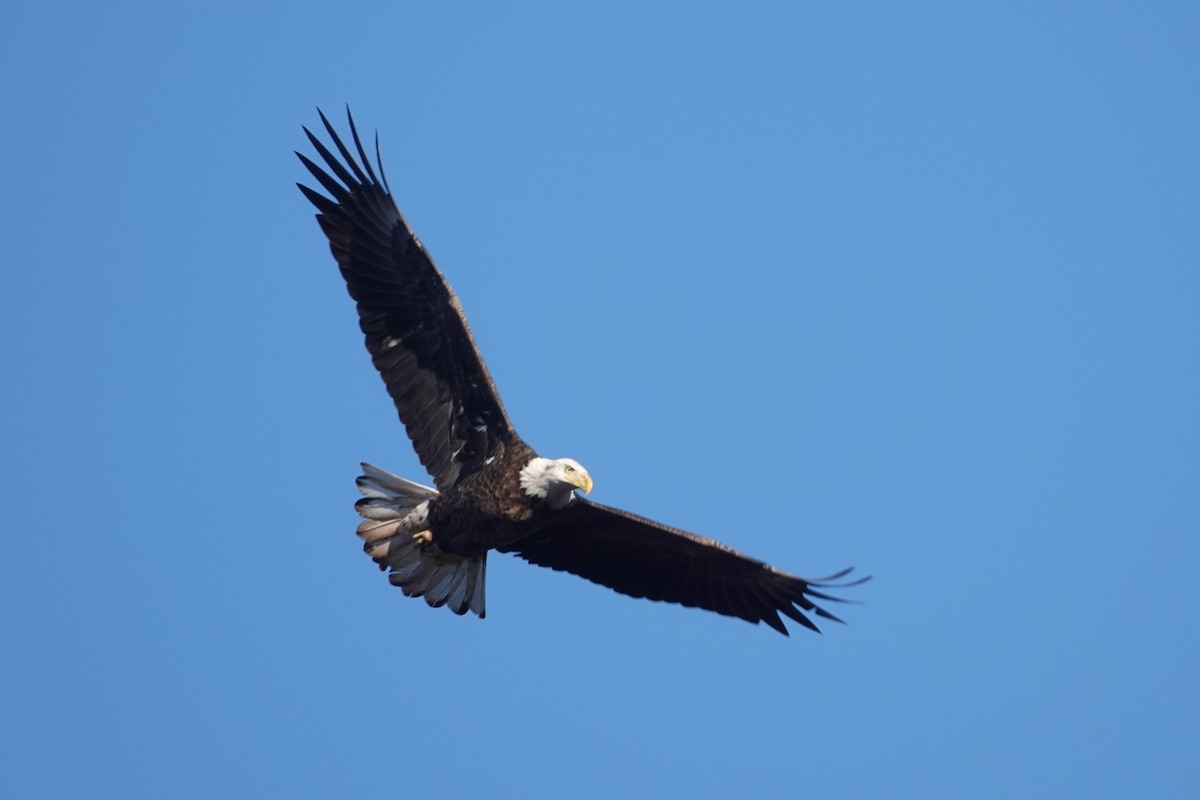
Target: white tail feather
{"x": 393, "y": 511}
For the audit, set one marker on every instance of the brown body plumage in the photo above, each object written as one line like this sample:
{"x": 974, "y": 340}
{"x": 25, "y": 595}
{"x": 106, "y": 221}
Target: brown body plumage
{"x": 487, "y": 508}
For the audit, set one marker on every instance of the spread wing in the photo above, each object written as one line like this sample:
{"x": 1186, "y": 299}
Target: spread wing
{"x": 643, "y": 558}
{"x": 415, "y": 328}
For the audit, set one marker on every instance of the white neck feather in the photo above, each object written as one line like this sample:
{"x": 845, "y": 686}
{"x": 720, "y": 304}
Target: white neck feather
{"x": 538, "y": 480}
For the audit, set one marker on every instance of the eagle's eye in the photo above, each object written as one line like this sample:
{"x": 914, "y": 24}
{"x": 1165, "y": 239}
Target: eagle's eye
{"x": 569, "y": 469}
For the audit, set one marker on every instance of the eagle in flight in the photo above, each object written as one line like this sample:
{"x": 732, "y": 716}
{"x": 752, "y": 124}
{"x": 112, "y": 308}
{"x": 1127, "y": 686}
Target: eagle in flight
{"x": 493, "y": 491}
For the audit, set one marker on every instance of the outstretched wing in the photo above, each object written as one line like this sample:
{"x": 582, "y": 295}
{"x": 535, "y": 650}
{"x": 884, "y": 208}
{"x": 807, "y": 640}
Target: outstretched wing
{"x": 643, "y": 558}
{"x": 415, "y": 328}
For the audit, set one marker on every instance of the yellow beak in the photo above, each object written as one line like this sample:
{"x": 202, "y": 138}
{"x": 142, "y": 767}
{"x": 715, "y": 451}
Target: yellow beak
{"x": 584, "y": 482}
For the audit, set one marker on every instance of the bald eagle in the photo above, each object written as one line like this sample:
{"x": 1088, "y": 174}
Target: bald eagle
{"x": 493, "y": 491}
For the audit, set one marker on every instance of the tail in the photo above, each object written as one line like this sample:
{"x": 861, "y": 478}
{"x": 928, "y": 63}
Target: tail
{"x": 394, "y": 532}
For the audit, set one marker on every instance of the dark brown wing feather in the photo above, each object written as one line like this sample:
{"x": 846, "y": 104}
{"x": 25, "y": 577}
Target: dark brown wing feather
{"x": 643, "y": 558}
{"x": 415, "y": 328}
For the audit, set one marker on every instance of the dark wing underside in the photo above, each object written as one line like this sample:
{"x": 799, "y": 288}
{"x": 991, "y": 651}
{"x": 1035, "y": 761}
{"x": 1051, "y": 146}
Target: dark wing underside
{"x": 642, "y": 558}
{"x": 415, "y": 328}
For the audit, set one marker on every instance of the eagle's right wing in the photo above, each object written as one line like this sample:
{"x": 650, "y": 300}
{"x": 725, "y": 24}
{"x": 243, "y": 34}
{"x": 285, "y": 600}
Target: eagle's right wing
{"x": 642, "y": 558}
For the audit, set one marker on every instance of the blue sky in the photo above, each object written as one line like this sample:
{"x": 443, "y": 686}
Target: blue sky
{"x": 910, "y": 287}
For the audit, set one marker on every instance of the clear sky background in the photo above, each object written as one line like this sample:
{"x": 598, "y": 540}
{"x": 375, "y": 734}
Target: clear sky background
{"x": 913, "y": 287}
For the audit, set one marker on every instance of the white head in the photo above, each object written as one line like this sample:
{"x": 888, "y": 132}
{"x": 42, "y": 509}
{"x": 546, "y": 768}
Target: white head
{"x": 555, "y": 480}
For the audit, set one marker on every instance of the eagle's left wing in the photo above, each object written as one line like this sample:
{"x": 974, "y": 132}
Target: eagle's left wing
{"x": 642, "y": 558}
{"x": 414, "y": 325}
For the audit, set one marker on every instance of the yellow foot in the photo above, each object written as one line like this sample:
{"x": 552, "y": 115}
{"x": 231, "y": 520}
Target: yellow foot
{"x": 423, "y": 538}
